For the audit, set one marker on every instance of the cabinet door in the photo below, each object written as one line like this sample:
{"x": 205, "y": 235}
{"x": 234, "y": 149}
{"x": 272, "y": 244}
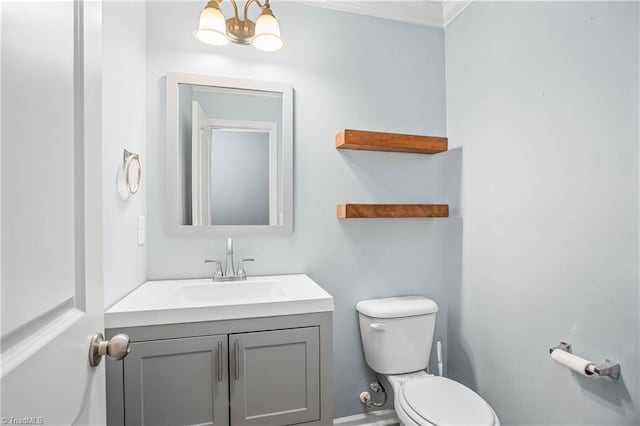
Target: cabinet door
{"x": 275, "y": 377}
{"x": 177, "y": 382}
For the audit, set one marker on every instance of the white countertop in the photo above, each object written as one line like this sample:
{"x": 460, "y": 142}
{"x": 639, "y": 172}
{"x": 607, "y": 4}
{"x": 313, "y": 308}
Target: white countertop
{"x": 181, "y": 301}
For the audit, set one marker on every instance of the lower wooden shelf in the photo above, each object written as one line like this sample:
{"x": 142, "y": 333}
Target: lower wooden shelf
{"x": 357, "y": 211}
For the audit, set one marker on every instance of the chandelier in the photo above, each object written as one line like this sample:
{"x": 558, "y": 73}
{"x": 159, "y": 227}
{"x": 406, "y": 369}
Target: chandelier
{"x": 216, "y": 30}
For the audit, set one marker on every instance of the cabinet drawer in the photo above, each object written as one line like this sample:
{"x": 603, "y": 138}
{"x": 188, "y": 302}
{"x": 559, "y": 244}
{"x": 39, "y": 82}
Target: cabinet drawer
{"x": 275, "y": 377}
{"x": 177, "y": 382}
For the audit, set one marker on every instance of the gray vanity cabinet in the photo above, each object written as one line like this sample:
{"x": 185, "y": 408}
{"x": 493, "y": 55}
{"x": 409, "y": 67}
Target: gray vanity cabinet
{"x": 275, "y": 377}
{"x": 177, "y": 382}
{"x": 270, "y": 371}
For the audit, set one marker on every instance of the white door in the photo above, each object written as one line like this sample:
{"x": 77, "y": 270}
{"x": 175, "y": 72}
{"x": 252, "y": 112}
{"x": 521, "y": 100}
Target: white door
{"x": 200, "y": 166}
{"x": 51, "y": 267}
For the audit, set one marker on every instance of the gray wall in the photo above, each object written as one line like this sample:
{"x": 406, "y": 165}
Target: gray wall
{"x": 543, "y": 99}
{"x": 344, "y": 76}
{"x": 123, "y": 126}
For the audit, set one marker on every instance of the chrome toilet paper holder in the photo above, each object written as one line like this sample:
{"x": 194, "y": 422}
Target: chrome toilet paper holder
{"x": 609, "y": 368}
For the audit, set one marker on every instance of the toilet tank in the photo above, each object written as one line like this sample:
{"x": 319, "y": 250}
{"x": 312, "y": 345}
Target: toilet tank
{"x": 397, "y": 333}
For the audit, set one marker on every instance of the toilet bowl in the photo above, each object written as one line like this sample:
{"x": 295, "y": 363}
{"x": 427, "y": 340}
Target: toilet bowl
{"x": 397, "y": 335}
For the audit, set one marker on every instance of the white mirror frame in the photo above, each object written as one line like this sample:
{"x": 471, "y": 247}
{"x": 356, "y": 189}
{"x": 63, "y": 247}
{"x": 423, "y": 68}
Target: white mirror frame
{"x": 173, "y": 158}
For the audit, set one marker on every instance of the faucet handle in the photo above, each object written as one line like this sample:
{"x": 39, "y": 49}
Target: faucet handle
{"x": 242, "y": 274}
{"x": 217, "y": 272}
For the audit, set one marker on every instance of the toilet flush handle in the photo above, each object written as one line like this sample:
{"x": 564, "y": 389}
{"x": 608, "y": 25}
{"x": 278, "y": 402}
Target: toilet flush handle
{"x": 380, "y": 326}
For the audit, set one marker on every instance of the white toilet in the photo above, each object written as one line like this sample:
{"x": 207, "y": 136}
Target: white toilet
{"x": 397, "y": 334}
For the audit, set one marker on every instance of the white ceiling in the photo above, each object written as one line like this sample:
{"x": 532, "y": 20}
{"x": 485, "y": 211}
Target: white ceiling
{"x": 433, "y": 13}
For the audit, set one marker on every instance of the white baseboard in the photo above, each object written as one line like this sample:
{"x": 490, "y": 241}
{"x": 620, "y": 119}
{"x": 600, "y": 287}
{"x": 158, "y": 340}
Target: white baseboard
{"x": 373, "y": 418}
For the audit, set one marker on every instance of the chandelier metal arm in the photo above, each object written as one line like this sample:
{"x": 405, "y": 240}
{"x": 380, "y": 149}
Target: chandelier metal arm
{"x": 262, "y": 6}
{"x": 235, "y": 7}
{"x": 246, "y": 8}
{"x": 248, "y": 3}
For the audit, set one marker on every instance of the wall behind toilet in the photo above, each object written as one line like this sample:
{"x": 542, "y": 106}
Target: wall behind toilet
{"x": 348, "y": 71}
{"x": 543, "y": 100}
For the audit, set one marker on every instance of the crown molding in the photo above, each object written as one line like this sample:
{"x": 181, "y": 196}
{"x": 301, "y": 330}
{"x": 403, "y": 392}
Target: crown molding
{"x": 452, "y": 8}
{"x": 419, "y": 12}
{"x": 431, "y": 13}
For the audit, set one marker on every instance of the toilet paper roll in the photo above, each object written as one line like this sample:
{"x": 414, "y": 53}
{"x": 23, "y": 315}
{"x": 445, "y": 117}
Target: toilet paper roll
{"x": 575, "y": 363}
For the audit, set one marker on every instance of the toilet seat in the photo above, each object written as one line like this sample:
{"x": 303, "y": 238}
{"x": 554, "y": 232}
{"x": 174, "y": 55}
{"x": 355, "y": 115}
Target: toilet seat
{"x": 438, "y": 401}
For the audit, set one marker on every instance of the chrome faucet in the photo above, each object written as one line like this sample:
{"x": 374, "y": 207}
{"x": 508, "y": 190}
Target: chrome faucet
{"x": 229, "y": 273}
{"x": 229, "y": 269}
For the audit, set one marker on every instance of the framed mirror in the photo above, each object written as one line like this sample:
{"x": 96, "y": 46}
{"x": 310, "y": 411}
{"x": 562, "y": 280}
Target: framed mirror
{"x": 229, "y": 156}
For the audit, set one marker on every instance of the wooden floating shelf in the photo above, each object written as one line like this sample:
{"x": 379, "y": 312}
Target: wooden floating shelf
{"x": 355, "y": 211}
{"x": 390, "y": 142}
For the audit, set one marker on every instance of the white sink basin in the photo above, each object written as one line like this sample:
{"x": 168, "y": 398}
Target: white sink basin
{"x": 229, "y": 292}
{"x": 180, "y": 301}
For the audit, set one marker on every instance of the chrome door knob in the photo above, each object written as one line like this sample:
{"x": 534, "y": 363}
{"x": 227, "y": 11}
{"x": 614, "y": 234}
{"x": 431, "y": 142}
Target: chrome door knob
{"x": 115, "y": 348}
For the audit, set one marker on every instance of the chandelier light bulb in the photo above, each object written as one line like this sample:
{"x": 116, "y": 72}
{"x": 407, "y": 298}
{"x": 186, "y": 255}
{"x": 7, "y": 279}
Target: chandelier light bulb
{"x": 267, "y": 37}
{"x": 212, "y": 26}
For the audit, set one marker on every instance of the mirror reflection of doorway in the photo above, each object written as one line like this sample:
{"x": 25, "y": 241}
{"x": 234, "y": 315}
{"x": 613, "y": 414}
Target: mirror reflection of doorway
{"x": 239, "y": 177}
{"x": 234, "y": 171}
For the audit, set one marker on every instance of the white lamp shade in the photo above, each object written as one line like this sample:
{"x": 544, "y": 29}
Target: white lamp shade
{"x": 267, "y": 36}
{"x": 212, "y": 28}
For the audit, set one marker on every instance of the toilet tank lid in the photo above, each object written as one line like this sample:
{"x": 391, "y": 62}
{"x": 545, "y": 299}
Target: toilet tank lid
{"x": 396, "y": 307}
